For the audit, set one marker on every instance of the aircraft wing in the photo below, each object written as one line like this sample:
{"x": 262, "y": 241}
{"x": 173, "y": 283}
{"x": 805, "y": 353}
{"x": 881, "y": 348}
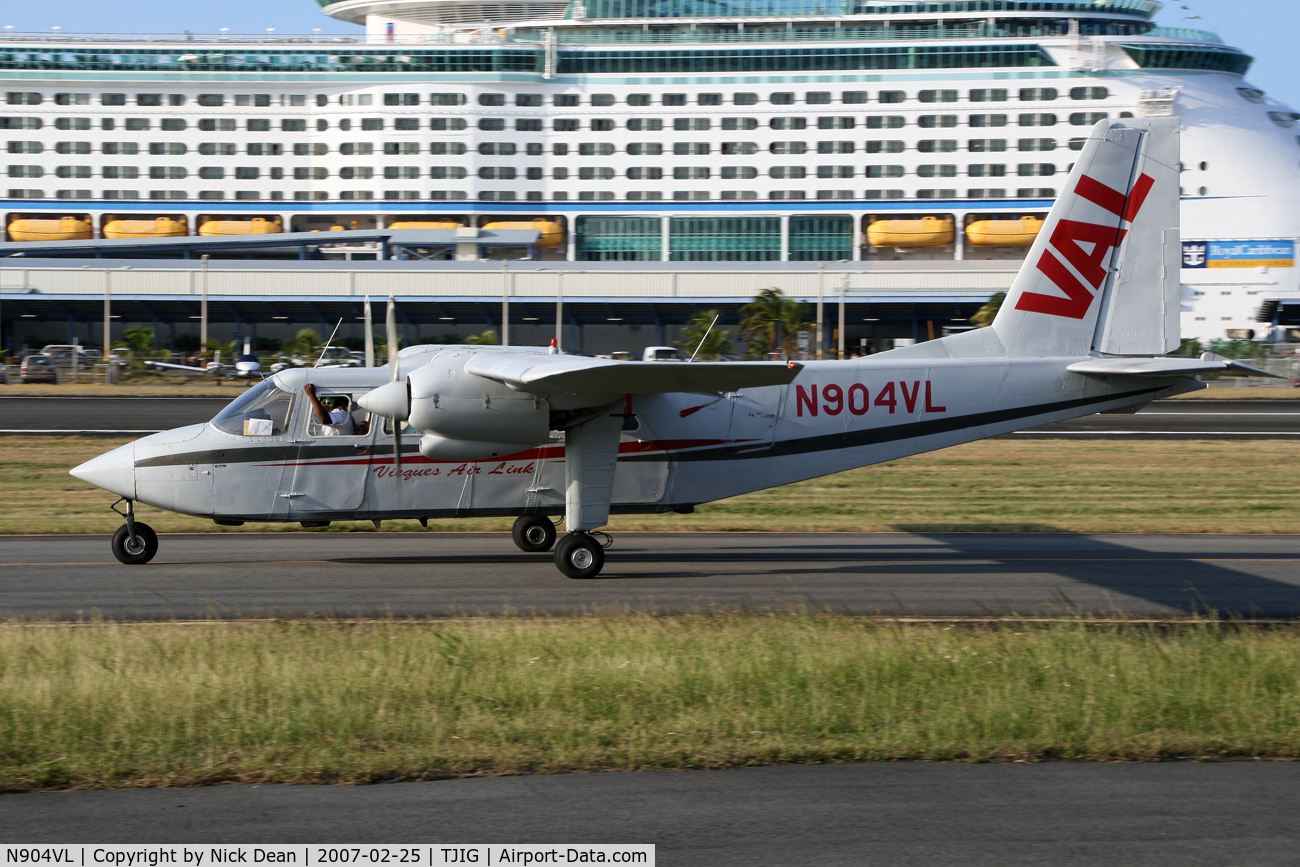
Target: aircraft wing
{"x": 1207, "y": 364}
{"x": 164, "y": 365}
{"x": 544, "y": 373}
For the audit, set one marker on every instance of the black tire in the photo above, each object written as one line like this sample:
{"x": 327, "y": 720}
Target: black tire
{"x": 579, "y": 556}
{"x": 145, "y": 536}
{"x": 533, "y": 533}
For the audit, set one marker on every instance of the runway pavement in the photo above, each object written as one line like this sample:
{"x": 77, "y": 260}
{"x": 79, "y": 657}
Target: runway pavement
{"x": 446, "y": 574}
{"x": 889, "y": 814}
{"x": 106, "y": 416}
{"x": 1192, "y": 419}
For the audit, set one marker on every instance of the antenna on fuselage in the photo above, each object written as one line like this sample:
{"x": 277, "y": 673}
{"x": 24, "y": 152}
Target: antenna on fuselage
{"x": 326, "y": 347}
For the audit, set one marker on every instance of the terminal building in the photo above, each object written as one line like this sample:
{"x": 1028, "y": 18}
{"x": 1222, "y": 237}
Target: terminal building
{"x": 761, "y": 137}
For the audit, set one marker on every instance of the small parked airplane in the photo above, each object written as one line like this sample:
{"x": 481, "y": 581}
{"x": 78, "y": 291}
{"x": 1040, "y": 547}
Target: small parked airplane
{"x": 462, "y": 431}
{"x": 246, "y": 366}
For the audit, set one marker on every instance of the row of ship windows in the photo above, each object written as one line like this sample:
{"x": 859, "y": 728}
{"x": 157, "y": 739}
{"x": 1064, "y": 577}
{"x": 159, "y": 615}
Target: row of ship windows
{"x": 585, "y": 149}
{"x": 537, "y": 196}
{"x": 510, "y": 173}
{"x": 595, "y": 124}
{"x": 563, "y": 100}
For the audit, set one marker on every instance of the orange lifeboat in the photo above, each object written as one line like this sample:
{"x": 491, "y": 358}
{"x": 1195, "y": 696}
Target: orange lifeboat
{"x": 162, "y": 227}
{"x": 255, "y": 226}
{"x": 923, "y": 232}
{"x": 426, "y": 224}
{"x": 62, "y": 229}
{"x": 552, "y": 232}
{"x": 1004, "y": 233}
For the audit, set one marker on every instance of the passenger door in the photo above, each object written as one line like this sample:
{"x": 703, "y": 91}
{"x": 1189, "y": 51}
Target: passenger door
{"x": 330, "y": 471}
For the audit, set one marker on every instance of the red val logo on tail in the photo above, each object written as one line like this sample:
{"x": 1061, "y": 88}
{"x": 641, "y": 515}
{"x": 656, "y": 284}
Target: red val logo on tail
{"x": 1068, "y": 238}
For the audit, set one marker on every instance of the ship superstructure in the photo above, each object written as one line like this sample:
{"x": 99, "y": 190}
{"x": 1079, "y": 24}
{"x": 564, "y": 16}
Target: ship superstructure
{"x": 657, "y": 131}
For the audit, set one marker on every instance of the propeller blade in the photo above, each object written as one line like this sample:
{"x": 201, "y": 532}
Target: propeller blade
{"x": 370, "y": 335}
{"x": 392, "y": 340}
{"x": 398, "y": 423}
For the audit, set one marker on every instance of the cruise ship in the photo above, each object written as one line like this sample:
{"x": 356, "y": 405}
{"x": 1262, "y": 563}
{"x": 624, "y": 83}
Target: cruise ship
{"x": 657, "y": 131}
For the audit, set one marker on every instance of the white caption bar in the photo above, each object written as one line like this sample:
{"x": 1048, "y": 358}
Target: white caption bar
{"x": 328, "y": 855}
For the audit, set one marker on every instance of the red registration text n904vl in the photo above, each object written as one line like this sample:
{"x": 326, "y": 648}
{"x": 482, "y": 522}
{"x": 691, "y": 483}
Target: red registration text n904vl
{"x": 856, "y": 399}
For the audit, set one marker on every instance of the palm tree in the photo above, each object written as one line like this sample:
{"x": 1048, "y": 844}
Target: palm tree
{"x": 716, "y": 343}
{"x": 769, "y": 308}
{"x": 986, "y": 314}
{"x": 487, "y": 338}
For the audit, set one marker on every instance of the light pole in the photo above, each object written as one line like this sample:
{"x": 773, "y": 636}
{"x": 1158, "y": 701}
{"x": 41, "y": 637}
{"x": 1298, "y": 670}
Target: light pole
{"x": 559, "y": 307}
{"x": 505, "y": 302}
{"x": 821, "y": 340}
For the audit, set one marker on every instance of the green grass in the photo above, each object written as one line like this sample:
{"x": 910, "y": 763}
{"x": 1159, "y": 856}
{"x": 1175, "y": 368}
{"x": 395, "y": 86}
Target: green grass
{"x": 314, "y": 701}
{"x": 1010, "y": 485}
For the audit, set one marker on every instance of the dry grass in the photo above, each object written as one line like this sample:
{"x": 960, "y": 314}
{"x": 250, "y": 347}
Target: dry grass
{"x": 1007, "y": 485}
{"x": 147, "y": 705}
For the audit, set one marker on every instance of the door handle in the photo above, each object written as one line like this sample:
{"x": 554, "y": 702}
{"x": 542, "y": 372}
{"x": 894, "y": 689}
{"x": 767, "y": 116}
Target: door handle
{"x": 290, "y": 494}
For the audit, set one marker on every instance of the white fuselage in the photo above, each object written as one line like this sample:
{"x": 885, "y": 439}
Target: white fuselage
{"x": 687, "y": 449}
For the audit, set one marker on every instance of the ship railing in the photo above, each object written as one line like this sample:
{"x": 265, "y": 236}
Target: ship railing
{"x": 593, "y": 36}
{"x": 1185, "y": 33}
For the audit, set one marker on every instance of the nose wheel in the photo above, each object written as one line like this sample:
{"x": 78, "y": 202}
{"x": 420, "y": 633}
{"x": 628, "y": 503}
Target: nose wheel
{"x": 578, "y": 555}
{"x": 135, "y": 542}
{"x": 533, "y": 533}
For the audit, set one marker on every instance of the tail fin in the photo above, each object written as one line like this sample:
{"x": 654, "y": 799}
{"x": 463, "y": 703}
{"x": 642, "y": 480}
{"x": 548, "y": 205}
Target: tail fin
{"x": 1103, "y": 274}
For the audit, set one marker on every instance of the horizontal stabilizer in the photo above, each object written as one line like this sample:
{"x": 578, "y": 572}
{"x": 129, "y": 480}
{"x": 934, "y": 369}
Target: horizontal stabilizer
{"x": 1207, "y": 364}
{"x": 547, "y": 373}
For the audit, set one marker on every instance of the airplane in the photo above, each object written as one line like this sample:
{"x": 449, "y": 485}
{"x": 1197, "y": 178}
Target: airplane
{"x": 246, "y": 366}
{"x": 533, "y": 433}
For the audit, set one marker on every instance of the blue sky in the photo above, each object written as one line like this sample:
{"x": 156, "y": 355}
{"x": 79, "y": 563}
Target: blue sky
{"x": 1269, "y": 30}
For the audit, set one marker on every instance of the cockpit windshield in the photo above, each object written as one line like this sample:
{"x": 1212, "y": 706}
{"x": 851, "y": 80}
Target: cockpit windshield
{"x": 262, "y": 411}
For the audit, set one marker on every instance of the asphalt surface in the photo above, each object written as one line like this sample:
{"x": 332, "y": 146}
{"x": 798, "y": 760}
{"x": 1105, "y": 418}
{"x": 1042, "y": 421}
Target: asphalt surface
{"x": 107, "y": 415}
{"x": 888, "y": 814}
{"x": 1193, "y": 419}
{"x": 198, "y": 576}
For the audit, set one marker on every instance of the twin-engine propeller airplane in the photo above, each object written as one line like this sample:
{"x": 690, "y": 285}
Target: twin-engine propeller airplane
{"x": 463, "y": 431}
{"x": 246, "y": 366}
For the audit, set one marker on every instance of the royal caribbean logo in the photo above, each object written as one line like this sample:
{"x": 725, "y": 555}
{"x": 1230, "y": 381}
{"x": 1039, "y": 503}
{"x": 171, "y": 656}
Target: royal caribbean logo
{"x": 1239, "y": 254}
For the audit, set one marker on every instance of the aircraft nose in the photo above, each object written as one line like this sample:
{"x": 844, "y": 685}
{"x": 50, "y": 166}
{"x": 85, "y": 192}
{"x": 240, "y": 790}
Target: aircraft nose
{"x": 113, "y": 471}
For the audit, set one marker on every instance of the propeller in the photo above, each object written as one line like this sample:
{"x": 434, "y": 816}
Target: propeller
{"x": 393, "y": 400}
{"x": 398, "y": 423}
{"x": 370, "y": 335}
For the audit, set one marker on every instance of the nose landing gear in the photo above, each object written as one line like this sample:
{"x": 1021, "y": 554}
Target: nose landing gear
{"x": 135, "y": 542}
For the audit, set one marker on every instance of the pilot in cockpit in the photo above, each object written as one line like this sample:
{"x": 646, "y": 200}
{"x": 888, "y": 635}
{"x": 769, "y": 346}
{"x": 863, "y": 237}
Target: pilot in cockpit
{"x": 331, "y": 412}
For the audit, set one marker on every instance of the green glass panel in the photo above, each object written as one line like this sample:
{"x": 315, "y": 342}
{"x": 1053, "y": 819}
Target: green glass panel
{"x": 622, "y": 239}
{"x": 814, "y": 239}
{"x": 802, "y": 59}
{"x": 1181, "y": 57}
{"x": 747, "y": 8}
{"x": 725, "y": 239}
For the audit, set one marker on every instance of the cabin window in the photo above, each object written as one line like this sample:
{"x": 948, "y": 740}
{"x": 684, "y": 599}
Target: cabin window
{"x": 359, "y": 418}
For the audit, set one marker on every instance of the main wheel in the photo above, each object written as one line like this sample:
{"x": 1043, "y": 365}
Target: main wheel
{"x": 142, "y": 550}
{"x": 533, "y": 533}
{"x": 579, "y": 556}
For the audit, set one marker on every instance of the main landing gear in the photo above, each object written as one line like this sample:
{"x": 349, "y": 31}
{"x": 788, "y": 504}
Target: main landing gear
{"x": 579, "y": 554}
{"x": 135, "y": 542}
{"x": 533, "y": 533}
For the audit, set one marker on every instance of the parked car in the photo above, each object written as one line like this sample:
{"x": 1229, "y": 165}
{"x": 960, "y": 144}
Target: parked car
{"x": 38, "y": 368}
{"x": 330, "y": 356}
{"x": 63, "y": 353}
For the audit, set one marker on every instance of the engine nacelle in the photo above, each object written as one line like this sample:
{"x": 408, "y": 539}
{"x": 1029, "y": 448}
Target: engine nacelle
{"x": 450, "y": 404}
{"x": 444, "y": 449}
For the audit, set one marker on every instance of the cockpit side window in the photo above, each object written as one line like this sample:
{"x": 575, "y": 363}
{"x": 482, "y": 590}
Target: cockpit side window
{"x": 348, "y": 419}
{"x": 262, "y": 411}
